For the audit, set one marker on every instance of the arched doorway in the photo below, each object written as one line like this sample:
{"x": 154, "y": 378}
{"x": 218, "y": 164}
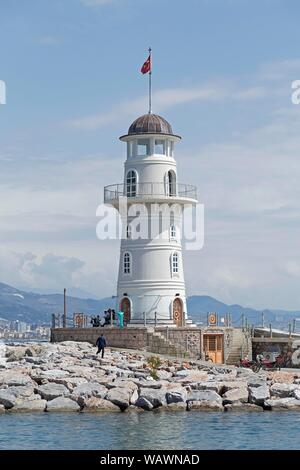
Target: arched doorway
{"x": 178, "y": 312}
{"x": 126, "y": 308}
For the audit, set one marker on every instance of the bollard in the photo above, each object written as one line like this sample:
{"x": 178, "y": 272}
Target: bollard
{"x": 155, "y": 318}
{"x": 271, "y": 332}
{"x": 145, "y": 321}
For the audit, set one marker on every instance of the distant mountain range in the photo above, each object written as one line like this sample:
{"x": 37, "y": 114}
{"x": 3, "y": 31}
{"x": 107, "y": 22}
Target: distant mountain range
{"x": 32, "y": 307}
{"x": 199, "y": 305}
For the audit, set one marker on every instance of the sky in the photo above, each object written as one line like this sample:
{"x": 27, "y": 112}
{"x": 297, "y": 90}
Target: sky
{"x": 222, "y": 75}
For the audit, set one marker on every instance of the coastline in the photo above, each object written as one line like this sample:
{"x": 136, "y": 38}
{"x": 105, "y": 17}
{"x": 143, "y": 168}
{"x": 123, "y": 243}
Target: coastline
{"x": 70, "y": 377}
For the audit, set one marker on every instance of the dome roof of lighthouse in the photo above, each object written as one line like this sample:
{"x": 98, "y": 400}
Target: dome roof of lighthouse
{"x": 150, "y": 124}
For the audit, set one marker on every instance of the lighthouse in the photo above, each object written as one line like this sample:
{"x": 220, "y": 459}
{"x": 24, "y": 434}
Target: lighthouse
{"x": 151, "y": 286}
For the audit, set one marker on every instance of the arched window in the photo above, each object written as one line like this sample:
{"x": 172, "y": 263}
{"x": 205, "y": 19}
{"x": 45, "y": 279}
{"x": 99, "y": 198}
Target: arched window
{"x": 126, "y": 263}
{"x": 173, "y": 231}
{"x": 170, "y": 180}
{"x": 131, "y": 183}
{"x": 175, "y": 263}
{"x": 128, "y": 232}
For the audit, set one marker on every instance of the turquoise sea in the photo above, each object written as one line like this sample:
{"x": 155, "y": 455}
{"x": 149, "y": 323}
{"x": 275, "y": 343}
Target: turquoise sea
{"x": 151, "y": 430}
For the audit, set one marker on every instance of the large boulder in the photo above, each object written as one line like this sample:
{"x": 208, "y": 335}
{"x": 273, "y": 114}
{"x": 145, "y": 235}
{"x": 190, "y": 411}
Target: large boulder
{"x": 142, "y": 402}
{"x": 15, "y": 354}
{"x": 210, "y": 385}
{"x": 30, "y": 405}
{"x": 296, "y": 393}
{"x": 21, "y": 391}
{"x": 92, "y": 389}
{"x": 2, "y": 409}
{"x": 258, "y": 395}
{"x": 163, "y": 374}
{"x": 156, "y": 384}
{"x": 204, "y": 395}
{"x": 196, "y": 405}
{"x": 134, "y": 397}
{"x": 119, "y": 396}
{"x": 282, "y": 404}
{"x": 7, "y": 399}
{"x": 179, "y": 406}
{"x": 98, "y": 404}
{"x": 281, "y": 390}
{"x": 233, "y": 385}
{"x": 62, "y": 404}
{"x": 243, "y": 372}
{"x": 236, "y": 395}
{"x": 18, "y": 380}
{"x": 52, "y": 390}
{"x": 69, "y": 382}
{"x": 238, "y": 406}
{"x": 121, "y": 383}
{"x": 55, "y": 373}
{"x": 155, "y": 397}
{"x": 189, "y": 376}
{"x": 176, "y": 396}
{"x": 256, "y": 382}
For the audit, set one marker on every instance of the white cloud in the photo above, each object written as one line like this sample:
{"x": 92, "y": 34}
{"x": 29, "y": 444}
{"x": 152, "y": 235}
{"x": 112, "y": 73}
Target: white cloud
{"x": 165, "y": 99}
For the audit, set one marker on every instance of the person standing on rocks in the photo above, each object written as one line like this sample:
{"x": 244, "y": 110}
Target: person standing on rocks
{"x": 101, "y": 343}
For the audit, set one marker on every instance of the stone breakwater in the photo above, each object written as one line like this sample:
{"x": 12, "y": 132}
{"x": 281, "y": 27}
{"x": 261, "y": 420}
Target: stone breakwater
{"x": 70, "y": 377}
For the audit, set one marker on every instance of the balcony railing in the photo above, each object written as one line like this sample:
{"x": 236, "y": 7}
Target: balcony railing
{"x": 149, "y": 190}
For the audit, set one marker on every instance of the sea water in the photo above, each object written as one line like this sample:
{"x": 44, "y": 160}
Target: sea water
{"x": 151, "y": 430}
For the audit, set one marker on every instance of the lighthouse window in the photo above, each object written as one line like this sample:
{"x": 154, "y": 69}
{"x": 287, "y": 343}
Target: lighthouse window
{"x": 175, "y": 264}
{"x": 128, "y": 232}
{"x": 160, "y": 146}
{"x": 126, "y": 263}
{"x": 170, "y": 148}
{"x": 143, "y": 147}
{"x": 173, "y": 231}
{"x": 171, "y": 183}
{"x": 131, "y": 183}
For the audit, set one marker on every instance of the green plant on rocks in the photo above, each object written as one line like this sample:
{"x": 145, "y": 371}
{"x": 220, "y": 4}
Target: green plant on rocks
{"x": 154, "y": 363}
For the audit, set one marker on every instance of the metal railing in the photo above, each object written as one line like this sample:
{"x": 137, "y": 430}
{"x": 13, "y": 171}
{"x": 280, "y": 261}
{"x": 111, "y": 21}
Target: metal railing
{"x": 145, "y": 190}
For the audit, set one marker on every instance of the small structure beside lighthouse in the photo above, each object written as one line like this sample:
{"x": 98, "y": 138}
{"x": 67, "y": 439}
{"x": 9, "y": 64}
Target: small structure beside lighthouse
{"x": 151, "y": 286}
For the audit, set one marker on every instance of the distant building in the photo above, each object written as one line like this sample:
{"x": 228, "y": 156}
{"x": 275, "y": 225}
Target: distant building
{"x": 21, "y": 327}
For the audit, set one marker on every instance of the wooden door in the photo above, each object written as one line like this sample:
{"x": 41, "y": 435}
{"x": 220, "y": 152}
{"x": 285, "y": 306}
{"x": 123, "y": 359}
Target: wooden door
{"x": 213, "y": 347}
{"x": 125, "y": 307}
{"x": 178, "y": 312}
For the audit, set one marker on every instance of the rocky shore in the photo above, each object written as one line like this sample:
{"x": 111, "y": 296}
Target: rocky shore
{"x": 70, "y": 377}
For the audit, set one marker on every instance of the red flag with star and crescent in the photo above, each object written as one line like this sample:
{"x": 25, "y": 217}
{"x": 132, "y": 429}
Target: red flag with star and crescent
{"x": 146, "y": 65}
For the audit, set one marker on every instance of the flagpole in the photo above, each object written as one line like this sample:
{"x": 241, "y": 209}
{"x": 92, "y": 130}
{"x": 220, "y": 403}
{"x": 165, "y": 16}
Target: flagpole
{"x": 150, "y": 83}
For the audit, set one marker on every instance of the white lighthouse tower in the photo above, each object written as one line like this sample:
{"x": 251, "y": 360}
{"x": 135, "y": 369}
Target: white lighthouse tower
{"x": 151, "y": 287}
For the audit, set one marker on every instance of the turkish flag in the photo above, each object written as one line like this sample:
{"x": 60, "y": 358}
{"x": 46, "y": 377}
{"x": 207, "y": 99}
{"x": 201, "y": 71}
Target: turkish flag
{"x": 146, "y": 66}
